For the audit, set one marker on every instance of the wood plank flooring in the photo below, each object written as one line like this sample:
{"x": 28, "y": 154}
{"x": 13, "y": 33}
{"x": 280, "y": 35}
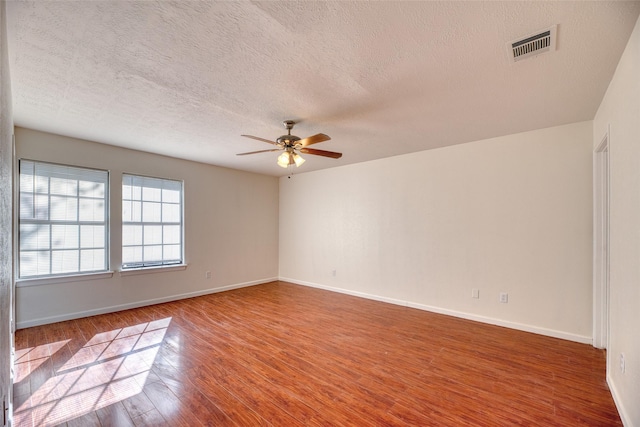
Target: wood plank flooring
{"x": 285, "y": 355}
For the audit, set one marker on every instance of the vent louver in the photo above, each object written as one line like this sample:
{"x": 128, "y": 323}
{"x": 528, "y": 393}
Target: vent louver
{"x": 533, "y": 45}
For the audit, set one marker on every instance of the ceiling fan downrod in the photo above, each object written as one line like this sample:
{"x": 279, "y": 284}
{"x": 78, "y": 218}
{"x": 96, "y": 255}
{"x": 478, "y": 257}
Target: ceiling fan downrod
{"x": 288, "y": 125}
{"x": 288, "y": 140}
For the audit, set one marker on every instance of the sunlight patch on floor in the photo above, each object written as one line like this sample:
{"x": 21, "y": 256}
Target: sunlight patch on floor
{"x": 110, "y": 367}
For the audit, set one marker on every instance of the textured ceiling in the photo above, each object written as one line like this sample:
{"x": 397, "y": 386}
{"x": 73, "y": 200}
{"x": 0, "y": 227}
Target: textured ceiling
{"x": 185, "y": 79}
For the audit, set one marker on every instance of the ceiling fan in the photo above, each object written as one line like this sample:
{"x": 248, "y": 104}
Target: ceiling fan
{"x": 292, "y": 145}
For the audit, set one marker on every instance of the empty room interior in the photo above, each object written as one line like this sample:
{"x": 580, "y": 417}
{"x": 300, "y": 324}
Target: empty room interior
{"x": 320, "y": 213}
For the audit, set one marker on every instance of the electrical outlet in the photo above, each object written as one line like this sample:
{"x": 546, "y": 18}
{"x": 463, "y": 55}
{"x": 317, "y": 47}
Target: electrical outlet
{"x": 504, "y": 297}
{"x": 207, "y": 275}
{"x": 475, "y": 293}
{"x": 333, "y": 273}
{"x": 622, "y": 363}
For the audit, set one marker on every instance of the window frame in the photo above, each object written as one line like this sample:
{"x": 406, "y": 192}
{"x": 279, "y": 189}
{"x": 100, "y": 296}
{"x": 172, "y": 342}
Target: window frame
{"x": 137, "y": 267}
{"x": 63, "y": 169}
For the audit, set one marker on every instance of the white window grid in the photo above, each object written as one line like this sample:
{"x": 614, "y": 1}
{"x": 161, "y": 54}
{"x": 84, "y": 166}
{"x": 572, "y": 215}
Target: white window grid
{"x": 72, "y": 254}
{"x": 151, "y": 242}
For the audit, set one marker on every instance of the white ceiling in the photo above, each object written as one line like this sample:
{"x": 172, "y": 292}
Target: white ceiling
{"x": 185, "y": 79}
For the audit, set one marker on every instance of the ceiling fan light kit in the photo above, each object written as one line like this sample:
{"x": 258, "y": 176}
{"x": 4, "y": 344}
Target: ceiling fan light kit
{"x": 286, "y": 159}
{"x": 291, "y": 145}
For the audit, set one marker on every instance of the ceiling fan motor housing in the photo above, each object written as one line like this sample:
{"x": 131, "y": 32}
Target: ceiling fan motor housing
{"x": 288, "y": 140}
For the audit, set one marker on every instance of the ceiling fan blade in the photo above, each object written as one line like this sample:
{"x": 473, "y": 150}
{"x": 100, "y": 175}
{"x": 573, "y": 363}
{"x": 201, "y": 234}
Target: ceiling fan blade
{"x": 260, "y": 139}
{"x": 323, "y": 153}
{"x": 314, "y": 139}
{"x": 259, "y": 151}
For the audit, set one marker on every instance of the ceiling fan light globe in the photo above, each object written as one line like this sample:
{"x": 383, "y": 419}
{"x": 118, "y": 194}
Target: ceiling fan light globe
{"x": 298, "y": 159}
{"x": 284, "y": 160}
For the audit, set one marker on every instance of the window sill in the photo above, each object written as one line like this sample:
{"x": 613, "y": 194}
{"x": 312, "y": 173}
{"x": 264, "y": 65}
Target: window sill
{"x": 152, "y": 270}
{"x": 63, "y": 279}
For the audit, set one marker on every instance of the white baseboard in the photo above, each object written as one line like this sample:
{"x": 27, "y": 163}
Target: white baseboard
{"x": 468, "y": 316}
{"x": 439, "y": 310}
{"x": 624, "y": 417}
{"x": 136, "y": 304}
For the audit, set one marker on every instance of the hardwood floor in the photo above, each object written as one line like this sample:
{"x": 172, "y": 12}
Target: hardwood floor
{"x": 286, "y": 355}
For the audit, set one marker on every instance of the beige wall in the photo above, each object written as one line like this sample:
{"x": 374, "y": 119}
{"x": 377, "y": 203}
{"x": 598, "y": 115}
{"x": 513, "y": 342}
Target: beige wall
{"x": 510, "y": 214}
{"x": 620, "y": 109}
{"x": 6, "y": 208}
{"x": 231, "y": 221}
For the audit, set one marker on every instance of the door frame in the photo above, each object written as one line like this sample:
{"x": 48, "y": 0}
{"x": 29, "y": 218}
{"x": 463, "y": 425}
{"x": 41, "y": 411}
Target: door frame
{"x": 601, "y": 197}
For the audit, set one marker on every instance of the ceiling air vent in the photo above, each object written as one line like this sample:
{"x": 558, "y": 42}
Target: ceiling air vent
{"x": 533, "y": 45}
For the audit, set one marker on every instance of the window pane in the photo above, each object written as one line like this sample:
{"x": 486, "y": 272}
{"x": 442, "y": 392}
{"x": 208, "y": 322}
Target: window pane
{"x": 65, "y": 236}
{"x": 91, "y": 189}
{"x": 63, "y": 187}
{"x": 170, "y": 212}
{"x": 34, "y": 236}
{"x": 34, "y": 206}
{"x": 27, "y": 178}
{"x": 171, "y": 252}
{"x": 41, "y": 206}
{"x": 126, "y": 210}
{"x": 131, "y": 235}
{"x": 136, "y": 211}
{"x": 131, "y": 254}
{"x": 92, "y": 236}
{"x": 171, "y": 195}
{"x": 64, "y": 208}
{"x": 64, "y": 261}
{"x": 126, "y": 192}
{"x": 151, "y": 212}
{"x": 92, "y": 260}
{"x": 152, "y": 234}
{"x": 131, "y": 211}
{"x": 136, "y": 192}
{"x": 92, "y": 210}
{"x": 152, "y": 253}
{"x": 34, "y": 263}
{"x": 42, "y": 184}
{"x": 171, "y": 234}
{"x": 151, "y": 194}
{"x": 27, "y": 209}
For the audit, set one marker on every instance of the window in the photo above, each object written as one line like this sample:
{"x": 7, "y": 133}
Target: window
{"x": 151, "y": 222}
{"x": 63, "y": 221}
